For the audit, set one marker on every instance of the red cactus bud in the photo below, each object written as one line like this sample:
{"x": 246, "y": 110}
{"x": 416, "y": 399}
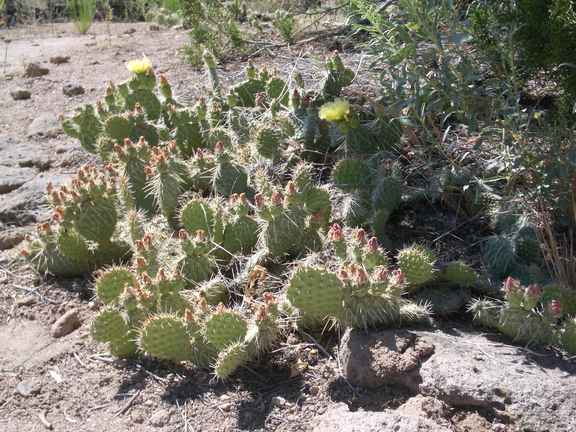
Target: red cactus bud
{"x": 269, "y": 298}
{"x": 24, "y": 252}
{"x": 162, "y": 80}
{"x": 45, "y": 228}
{"x": 140, "y": 246}
{"x": 233, "y": 199}
{"x": 343, "y": 275}
{"x": 182, "y": 234}
{"x": 219, "y": 147}
{"x": 335, "y": 233}
{"x": 373, "y": 244}
{"x": 361, "y": 276}
{"x": 242, "y": 198}
{"x": 555, "y": 308}
{"x": 141, "y": 263}
{"x": 398, "y": 277}
{"x": 259, "y": 200}
{"x": 146, "y": 279}
{"x": 49, "y": 187}
{"x": 510, "y": 285}
{"x": 200, "y": 235}
{"x": 360, "y": 235}
{"x": 147, "y": 240}
{"x": 381, "y": 274}
{"x": 277, "y": 198}
{"x": 534, "y": 291}
{"x": 161, "y": 276}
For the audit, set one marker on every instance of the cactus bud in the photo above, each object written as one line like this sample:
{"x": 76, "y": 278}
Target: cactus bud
{"x": 182, "y": 234}
{"x": 290, "y": 188}
{"x": 360, "y": 277}
{"x": 372, "y": 245}
{"x": 398, "y": 277}
{"x": 24, "y": 253}
{"x": 219, "y": 147}
{"x": 335, "y": 233}
{"x": 381, "y": 274}
{"x": 200, "y": 235}
{"x": 259, "y": 200}
{"x": 534, "y": 291}
{"x": 555, "y": 308}
{"x": 343, "y": 275}
{"x": 146, "y": 279}
{"x": 277, "y": 198}
{"x": 360, "y": 236}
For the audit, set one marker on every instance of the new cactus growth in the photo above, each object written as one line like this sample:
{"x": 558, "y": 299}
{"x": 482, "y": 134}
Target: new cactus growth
{"x": 224, "y": 327}
{"x": 166, "y": 337}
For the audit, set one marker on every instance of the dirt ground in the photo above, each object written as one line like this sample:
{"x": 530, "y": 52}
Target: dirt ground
{"x": 71, "y": 383}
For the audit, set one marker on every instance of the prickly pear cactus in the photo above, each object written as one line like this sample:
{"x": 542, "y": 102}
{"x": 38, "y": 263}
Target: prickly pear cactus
{"x": 417, "y": 265}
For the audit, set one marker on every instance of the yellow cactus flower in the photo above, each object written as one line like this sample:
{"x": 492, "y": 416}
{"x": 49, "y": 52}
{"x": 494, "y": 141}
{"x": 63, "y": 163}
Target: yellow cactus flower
{"x": 139, "y": 66}
{"x": 338, "y": 110}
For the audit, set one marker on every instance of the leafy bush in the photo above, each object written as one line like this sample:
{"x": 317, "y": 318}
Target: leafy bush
{"x": 543, "y": 31}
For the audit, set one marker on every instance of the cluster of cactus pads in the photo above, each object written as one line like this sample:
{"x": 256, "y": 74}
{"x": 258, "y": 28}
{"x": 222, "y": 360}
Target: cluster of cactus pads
{"x": 213, "y": 230}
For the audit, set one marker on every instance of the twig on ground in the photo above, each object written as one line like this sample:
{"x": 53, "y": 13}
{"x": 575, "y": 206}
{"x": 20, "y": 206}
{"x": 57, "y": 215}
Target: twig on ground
{"x": 45, "y": 422}
{"x": 128, "y": 405}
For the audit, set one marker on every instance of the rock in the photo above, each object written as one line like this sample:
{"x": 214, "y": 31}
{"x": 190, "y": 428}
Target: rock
{"x": 160, "y": 418}
{"x": 279, "y": 401}
{"x": 34, "y": 70}
{"x": 45, "y": 125}
{"x": 340, "y": 419}
{"x": 58, "y": 60}
{"x": 20, "y": 94}
{"x": 130, "y": 31}
{"x": 154, "y": 27}
{"x": 428, "y": 407}
{"x": 25, "y": 204}
{"x": 28, "y": 387}
{"x": 25, "y": 301}
{"x": 389, "y": 357}
{"x": 11, "y": 178}
{"x": 71, "y": 90}
{"x": 467, "y": 369}
{"x": 66, "y": 324}
{"x": 12, "y": 237}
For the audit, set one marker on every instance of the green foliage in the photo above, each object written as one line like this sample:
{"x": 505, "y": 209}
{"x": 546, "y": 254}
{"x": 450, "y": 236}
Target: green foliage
{"x": 285, "y": 24}
{"x": 82, "y": 13}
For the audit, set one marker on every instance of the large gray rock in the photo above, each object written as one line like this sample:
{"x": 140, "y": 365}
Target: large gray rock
{"x": 28, "y": 203}
{"x": 467, "y": 370}
{"x": 340, "y": 419}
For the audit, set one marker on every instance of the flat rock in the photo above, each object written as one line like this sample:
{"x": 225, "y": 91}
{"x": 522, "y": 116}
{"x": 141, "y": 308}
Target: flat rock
{"x": 71, "y": 90}
{"x": 340, "y": 419}
{"x": 45, "y": 125}
{"x": 66, "y": 324}
{"x": 20, "y": 94}
{"x": 34, "y": 70}
{"x": 25, "y": 301}
{"x": 11, "y": 178}
{"x": 388, "y": 357}
{"x": 466, "y": 369}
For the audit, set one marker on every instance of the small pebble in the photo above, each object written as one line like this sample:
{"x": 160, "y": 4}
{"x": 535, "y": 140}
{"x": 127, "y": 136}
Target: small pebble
{"x": 66, "y": 324}
{"x": 25, "y": 301}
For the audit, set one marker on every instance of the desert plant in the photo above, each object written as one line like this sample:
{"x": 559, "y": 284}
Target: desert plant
{"x": 82, "y": 13}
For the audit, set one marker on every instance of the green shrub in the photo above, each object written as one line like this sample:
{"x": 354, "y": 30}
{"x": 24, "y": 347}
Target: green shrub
{"x": 82, "y": 13}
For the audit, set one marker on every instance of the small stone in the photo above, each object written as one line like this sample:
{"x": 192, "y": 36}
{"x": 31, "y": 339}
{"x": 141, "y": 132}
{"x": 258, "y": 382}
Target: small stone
{"x": 226, "y": 407}
{"x": 58, "y": 60}
{"x": 71, "y": 90}
{"x": 154, "y": 27}
{"x": 66, "y": 324}
{"x": 20, "y": 94}
{"x": 130, "y": 31}
{"x": 279, "y": 401}
{"x": 28, "y": 387}
{"x": 11, "y": 238}
{"x": 314, "y": 390}
{"x": 137, "y": 418}
{"x": 34, "y": 70}
{"x": 25, "y": 301}
{"x": 160, "y": 418}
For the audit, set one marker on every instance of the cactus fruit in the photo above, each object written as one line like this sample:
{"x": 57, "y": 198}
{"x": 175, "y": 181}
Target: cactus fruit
{"x": 459, "y": 273}
{"x": 417, "y": 265}
{"x": 111, "y": 284}
{"x": 166, "y": 337}
{"x": 224, "y": 327}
